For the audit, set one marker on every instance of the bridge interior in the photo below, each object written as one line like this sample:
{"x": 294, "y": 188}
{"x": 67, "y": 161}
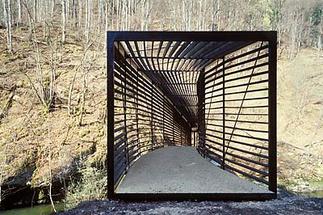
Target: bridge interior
{"x": 213, "y": 96}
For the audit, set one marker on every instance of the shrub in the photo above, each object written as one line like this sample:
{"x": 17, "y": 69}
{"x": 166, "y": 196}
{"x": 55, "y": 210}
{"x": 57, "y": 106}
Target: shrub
{"x": 91, "y": 186}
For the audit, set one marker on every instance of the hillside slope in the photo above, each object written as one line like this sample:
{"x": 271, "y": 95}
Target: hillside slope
{"x": 300, "y": 118}
{"x": 40, "y": 146}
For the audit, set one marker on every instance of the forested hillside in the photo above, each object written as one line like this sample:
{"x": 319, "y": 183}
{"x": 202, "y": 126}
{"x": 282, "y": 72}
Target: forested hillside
{"x": 298, "y": 23}
{"x": 53, "y": 86}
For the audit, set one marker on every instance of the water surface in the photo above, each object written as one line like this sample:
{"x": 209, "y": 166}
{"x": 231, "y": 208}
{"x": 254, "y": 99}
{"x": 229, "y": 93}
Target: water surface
{"x": 35, "y": 210}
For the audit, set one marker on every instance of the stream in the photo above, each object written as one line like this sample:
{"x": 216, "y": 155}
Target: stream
{"x": 45, "y": 209}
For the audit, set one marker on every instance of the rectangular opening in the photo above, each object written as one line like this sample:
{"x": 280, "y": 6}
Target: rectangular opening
{"x": 165, "y": 88}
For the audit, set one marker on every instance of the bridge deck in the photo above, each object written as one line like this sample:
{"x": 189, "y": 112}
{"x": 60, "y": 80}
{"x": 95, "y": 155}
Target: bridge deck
{"x": 182, "y": 170}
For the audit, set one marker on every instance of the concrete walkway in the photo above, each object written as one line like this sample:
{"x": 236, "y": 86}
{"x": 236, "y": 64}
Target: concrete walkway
{"x": 182, "y": 170}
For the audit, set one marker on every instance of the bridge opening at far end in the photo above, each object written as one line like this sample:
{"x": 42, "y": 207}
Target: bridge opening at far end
{"x": 191, "y": 115}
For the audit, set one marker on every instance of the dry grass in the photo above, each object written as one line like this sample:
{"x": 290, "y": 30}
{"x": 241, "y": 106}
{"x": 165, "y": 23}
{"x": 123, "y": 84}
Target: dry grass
{"x": 300, "y": 117}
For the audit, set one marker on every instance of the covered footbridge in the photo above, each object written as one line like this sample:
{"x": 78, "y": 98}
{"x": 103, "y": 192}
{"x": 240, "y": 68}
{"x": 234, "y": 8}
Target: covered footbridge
{"x": 191, "y": 115}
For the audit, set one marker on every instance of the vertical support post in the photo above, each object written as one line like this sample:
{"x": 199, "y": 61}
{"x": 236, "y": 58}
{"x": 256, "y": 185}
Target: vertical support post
{"x": 125, "y": 116}
{"x": 194, "y": 133}
{"x": 152, "y": 115}
{"x": 223, "y": 114}
{"x": 199, "y": 127}
{"x": 137, "y": 118}
{"x": 272, "y": 112}
{"x": 173, "y": 128}
{"x": 189, "y": 136}
{"x": 110, "y": 108}
{"x": 203, "y": 107}
{"x": 163, "y": 121}
{"x": 181, "y": 135}
{"x": 201, "y": 110}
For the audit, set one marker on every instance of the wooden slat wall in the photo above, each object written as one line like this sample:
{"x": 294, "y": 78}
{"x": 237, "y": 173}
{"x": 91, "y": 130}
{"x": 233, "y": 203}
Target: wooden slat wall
{"x": 236, "y": 112}
{"x": 145, "y": 118}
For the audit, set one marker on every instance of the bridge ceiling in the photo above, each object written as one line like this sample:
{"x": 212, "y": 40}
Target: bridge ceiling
{"x": 176, "y": 65}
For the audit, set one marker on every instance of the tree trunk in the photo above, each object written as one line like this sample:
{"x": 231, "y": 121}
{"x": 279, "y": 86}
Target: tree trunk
{"x": 319, "y": 42}
{"x": 7, "y": 19}
{"x": 87, "y": 20}
{"x": 320, "y": 34}
{"x": 35, "y": 10}
{"x": 9, "y": 27}
{"x": 4, "y": 3}
{"x": 106, "y": 17}
{"x": 80, "y": 14}
{"x": 75, "y": 12}
{"x": 19, "y": 12}
{"x": 99, "y": 15}
{"x": 63, "y": 20}
{"x": 53, "y": 8}
{"x": 88, "y": 15}
{"x": 67, "y": 10}
{"x": 215, "y": 15}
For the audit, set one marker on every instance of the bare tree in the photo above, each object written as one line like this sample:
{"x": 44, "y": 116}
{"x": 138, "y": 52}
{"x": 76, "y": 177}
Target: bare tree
{"x": 35, "y": 12}
{"x": 19, "y": 11}
{"x": 146, "y": 10}
{"x": 75, "y": 12}
{"x": 80, "y": 13}
{"x": 7, "y": 20}
{"x": 100, "y": 14}
{"x": 88, "y": 20}
{"x": 320, "y": 33}
{"x": 63, "y": 20}
{"x": 215, "y": 25}
{"x": 319, "y": 40}
{"x": 106, "y": 16}
{"x": 67, "y": 9}
{"x": 53, "y": 3}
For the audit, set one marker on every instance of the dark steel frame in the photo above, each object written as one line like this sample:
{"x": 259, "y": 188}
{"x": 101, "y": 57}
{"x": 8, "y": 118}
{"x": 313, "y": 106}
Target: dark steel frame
{"x": 269, "y": 36}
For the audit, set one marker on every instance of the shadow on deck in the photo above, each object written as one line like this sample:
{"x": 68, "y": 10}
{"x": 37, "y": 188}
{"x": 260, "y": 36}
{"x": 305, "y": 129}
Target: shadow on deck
{"x": 176, "y": 169}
